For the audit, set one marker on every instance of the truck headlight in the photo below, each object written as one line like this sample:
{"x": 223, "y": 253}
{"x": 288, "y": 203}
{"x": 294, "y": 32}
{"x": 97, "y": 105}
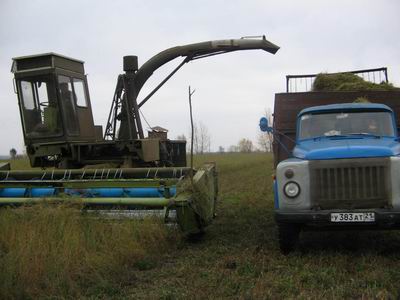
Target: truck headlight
{"x": 291, "y": 189}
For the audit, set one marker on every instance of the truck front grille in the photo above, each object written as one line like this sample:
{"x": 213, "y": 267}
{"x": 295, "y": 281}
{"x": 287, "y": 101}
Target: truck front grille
{"x": 350, "y": 183}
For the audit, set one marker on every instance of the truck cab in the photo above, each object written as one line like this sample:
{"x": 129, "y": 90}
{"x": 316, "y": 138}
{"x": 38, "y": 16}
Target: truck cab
{"x": 346, "y": 131}
{"x": 337, "y": 164}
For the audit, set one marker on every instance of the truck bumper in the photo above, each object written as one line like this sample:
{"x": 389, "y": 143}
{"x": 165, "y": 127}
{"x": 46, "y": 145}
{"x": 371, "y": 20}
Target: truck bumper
{"x": 384, "y": 218}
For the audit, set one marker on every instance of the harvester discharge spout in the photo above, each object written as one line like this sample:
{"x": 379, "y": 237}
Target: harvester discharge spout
{"x": 200, "y": 50}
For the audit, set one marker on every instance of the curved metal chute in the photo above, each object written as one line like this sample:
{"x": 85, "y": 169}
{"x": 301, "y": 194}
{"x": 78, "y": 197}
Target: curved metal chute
{"x": 199, "y": 50}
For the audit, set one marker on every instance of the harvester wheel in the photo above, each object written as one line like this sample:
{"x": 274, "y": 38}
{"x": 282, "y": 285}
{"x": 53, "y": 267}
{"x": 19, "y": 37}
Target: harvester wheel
{"x": 288, "y": 235}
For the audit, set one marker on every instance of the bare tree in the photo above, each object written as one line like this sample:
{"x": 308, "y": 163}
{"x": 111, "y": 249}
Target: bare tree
{"x": 13, "y": 153}
{"x": 233, "y": 148}
{"x": 265, "y": 139}
{"x": 205, "y": 139}
{"x": 201, "y": 138}
{"x": 181, "y": 137}
{"x": 245, "y": 145}
{"x": 195, "y": 138}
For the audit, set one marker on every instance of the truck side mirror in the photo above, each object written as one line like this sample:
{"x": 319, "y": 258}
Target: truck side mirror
{"x": 264, "y": 125}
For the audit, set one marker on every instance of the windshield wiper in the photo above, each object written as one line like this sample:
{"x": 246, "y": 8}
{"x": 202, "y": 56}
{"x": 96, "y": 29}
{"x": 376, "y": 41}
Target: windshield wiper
{"x": 336, "y": 135}
{"x": 348, "y": 135}
{"x": 366, "y": 134}
{"x": 329, "y": 136}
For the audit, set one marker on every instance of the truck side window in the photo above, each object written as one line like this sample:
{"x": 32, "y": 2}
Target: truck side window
{"x": 80, "y": 94}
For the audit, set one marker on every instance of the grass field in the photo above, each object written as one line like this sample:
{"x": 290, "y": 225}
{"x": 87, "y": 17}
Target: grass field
{"x": 53, "y": 252}
{"x": 18, "y": 164}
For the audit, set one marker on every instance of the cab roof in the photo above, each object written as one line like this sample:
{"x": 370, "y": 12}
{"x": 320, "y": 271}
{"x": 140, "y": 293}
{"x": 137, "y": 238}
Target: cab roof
{"x": 49, "y": 60}
{"x": 346, "y": 107}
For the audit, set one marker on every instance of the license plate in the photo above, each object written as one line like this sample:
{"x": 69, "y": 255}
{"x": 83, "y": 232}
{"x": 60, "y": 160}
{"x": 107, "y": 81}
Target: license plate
{"x": 353, "y": 217}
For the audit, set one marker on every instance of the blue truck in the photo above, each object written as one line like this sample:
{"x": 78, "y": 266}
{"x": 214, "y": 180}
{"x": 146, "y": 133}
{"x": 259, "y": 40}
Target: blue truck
{"x": 337, "y": 161}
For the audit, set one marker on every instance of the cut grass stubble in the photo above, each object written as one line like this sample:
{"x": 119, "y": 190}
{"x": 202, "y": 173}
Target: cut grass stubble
{"x": 48, "y": 250}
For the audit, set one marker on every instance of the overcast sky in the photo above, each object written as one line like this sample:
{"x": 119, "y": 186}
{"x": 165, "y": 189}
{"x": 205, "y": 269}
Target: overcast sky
{"x": 232, "y": 90}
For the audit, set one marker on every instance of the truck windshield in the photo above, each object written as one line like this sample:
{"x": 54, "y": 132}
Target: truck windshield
{"x": 378, "y": 123}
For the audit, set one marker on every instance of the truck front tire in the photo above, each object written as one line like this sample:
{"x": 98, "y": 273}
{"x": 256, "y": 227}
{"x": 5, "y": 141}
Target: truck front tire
{"x": 288, "y": 235}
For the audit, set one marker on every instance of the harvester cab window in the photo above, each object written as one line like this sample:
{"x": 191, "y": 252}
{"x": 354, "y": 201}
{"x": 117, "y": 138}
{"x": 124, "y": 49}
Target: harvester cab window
{"x": 27, "y": 94}
{"x": 80, "y": 95}
{"x": 68, "y": 105}
{"x": 39, "y": 110}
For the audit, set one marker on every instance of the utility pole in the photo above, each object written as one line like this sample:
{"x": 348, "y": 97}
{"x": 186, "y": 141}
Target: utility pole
{"x": 192, "y": 134}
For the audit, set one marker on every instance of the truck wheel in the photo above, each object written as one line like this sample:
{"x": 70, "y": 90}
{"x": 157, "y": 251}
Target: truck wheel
{"x": 288, "y": 235}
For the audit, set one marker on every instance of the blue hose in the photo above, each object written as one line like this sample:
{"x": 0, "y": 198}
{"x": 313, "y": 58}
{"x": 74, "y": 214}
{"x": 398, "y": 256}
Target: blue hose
{"x": 145, "y": 192}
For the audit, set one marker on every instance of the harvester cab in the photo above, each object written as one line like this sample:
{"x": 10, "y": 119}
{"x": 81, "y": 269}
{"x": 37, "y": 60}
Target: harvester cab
{"x": 53, "y": 99}
{"x": 125, "y": 172}
{"x": 55, "y": 108}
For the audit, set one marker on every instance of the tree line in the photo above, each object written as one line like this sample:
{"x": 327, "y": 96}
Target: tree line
{"x": 202, "y": 140}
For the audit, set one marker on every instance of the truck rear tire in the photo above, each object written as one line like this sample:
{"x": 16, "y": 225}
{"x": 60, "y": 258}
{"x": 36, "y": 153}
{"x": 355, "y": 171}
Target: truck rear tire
{"x": 288, "y": 235}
